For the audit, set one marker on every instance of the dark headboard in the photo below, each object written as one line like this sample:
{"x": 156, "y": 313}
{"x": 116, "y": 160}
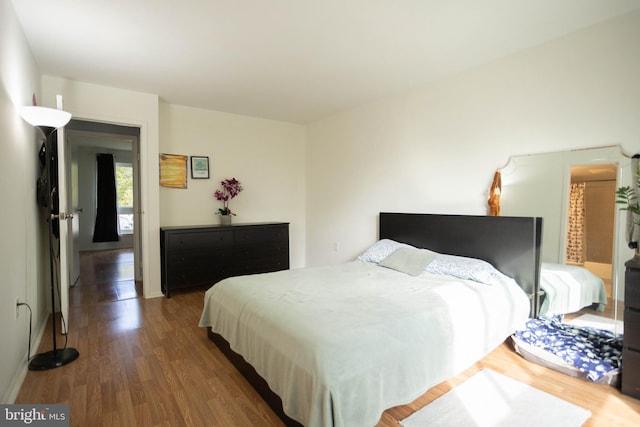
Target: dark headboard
{"x": 511, "y": 244}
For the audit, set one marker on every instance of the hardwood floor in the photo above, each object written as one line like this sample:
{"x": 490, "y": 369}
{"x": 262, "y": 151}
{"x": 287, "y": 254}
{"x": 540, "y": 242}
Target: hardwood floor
{"x": 146, "y": 363}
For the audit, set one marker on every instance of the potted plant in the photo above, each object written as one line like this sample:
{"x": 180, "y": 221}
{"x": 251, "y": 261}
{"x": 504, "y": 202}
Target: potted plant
{"x": 230, "y": 189}
{"x": 628, "y": 197}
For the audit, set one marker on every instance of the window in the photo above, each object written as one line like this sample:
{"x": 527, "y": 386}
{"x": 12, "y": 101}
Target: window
{"x": 124, "y": 190}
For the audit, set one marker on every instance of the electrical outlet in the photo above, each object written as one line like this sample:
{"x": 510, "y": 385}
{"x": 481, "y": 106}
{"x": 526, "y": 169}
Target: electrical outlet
{"x": 17, "y": 307}
{"x": 336, "y": 246}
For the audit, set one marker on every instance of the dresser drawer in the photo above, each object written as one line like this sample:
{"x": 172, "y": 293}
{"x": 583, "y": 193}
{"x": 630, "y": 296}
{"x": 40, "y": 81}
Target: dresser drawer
{"x": 631, "y": 338}
{"x": 188, "y": 278}
{"x": 258, "y": 236}
{"x": 631, "y": 373}
{"x": 266, "y": 244}
{"x": 198, "y": 241}
{"x": 268, "y": 249}
{"x": 185, "y": 270}
{"x": 262, "y": 265}
{"x": 632, "y": 288}
{"x": 200, "y": 261}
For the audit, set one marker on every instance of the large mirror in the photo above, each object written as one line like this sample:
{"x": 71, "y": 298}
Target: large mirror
{"x": 583, "y": 231}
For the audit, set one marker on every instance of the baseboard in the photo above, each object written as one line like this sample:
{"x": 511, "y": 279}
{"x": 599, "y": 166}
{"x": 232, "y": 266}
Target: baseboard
{"x": 16, "y": 383}
{"x": 154, "y": 295}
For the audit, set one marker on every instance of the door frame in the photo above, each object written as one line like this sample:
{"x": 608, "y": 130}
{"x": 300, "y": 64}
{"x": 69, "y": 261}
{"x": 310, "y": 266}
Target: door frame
{"x": 98, "y": 129}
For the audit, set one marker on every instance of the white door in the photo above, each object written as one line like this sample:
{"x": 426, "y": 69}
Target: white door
{"x": 137, "y": 211}
{"x": 65, "y": 226}
{"x": 74, "y": 237}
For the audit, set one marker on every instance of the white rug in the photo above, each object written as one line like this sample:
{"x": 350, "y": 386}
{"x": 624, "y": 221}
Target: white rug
{"x": 600, "y": 322}
{"x": 492, "y": 399}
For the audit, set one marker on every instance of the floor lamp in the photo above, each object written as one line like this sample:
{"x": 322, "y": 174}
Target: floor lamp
{"x": 48, "y": 120}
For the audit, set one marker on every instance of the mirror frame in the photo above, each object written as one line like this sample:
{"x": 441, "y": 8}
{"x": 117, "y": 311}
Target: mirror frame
{"x": 538, "y": 185}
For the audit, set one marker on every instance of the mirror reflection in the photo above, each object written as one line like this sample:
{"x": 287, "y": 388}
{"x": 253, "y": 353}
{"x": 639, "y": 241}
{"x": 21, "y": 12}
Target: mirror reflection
{"x": 583, "y": 244}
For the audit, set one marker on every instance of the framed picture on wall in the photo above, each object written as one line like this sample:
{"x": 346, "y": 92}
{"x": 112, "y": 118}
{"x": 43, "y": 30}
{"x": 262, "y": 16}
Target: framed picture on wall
{"x": 173, "y": 170}
{"x": 199, "y": 167}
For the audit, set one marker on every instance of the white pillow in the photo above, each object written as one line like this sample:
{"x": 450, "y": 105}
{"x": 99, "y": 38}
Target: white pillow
{"x": 409, "y": 260}
{"x": 465, "y": 268}
{"x": 380, "y": 250}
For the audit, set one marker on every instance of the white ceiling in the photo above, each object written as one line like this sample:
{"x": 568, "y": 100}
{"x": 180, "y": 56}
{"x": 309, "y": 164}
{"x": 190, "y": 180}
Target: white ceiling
{"x": 291, "y": 60}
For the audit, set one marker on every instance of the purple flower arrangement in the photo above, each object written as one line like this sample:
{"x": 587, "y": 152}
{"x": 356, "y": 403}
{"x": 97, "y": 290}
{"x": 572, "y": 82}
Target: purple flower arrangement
{"x": 230, "y": 189}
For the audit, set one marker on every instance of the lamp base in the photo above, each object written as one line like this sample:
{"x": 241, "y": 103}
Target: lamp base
{"x": 53, "y": 359}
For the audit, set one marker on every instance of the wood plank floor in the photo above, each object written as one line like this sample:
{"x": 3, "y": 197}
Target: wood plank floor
{"x": 146, "y": 363}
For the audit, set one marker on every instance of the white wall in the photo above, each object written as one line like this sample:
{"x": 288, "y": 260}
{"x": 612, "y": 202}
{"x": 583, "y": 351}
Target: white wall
{"x": 266, "y": 156}
{"x": 435, "y": 149}
{"x": 22, "y": 258}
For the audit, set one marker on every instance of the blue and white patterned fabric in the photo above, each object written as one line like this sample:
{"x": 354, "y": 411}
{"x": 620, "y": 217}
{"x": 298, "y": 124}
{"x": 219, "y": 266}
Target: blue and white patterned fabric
{"x": 594, "y": 352}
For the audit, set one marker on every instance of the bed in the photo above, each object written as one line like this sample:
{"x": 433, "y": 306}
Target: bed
{"x": 569, "y": 288}
{"x": 337, "y": 345}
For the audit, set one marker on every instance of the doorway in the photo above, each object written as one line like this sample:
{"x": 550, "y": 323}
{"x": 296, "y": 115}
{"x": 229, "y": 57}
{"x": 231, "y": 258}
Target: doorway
{"x": 591, "y": 220}
{"x": 107, "y": 276}
{"x": 86, "y": 139}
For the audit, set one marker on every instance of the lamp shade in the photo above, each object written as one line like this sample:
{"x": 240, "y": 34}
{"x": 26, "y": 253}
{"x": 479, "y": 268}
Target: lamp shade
{"x": 43, "y": 116}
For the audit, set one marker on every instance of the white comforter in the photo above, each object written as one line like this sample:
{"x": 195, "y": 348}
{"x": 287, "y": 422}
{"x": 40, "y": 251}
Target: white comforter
{"x": 341, "y": 344}
{"x": 569, "y": 288}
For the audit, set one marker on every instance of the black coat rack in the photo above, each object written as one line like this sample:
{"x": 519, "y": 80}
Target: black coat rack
{"x": 47, "y": 121}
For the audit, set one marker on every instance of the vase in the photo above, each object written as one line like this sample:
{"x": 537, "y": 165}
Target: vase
{"x": 225, "y": 219}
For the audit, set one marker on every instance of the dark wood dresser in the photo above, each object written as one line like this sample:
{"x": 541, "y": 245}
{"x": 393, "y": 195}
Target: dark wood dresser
{"x": 631, "y": 340}
{"x": 194, "y": 256}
